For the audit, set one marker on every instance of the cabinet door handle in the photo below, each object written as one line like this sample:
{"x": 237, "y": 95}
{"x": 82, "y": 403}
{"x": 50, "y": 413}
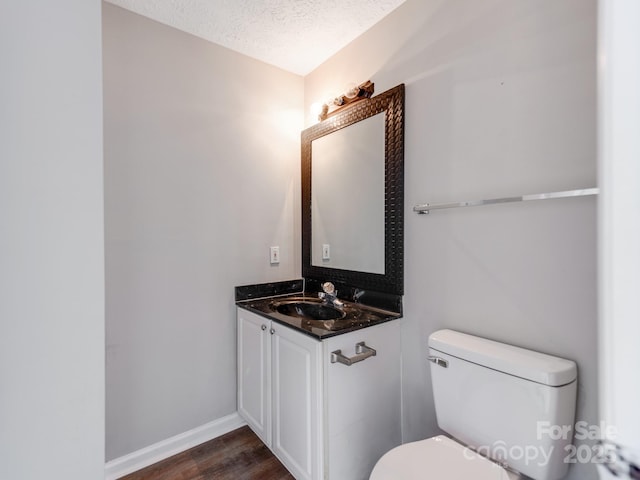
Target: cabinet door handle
{"x": 263, "y": 327}
{"x": 272, "y": 331}
{"x": 362, "y": 353}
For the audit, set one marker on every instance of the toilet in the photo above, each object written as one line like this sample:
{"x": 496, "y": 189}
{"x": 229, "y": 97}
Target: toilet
{"x": 509, "y": 412}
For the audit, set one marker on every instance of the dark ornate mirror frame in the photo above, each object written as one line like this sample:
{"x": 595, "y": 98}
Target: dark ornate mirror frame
{"x": 392, "y": 281}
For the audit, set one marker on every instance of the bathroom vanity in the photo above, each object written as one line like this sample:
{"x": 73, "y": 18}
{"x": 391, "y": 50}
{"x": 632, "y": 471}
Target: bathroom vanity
{"x": 319, "y": 379}
{"x": 323, "y": 419}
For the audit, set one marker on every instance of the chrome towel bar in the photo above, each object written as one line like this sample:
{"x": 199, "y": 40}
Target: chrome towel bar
{"x": 425, "y": 208}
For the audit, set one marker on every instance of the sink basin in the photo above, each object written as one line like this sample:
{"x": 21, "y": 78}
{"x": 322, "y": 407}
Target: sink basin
{"x": 309, "y": 310}
{"x": 315, "y": 316}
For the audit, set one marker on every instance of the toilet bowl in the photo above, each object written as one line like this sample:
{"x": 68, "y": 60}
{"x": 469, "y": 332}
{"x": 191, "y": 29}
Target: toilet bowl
{"x": 437, "y": 458}
{"x": 493, "y": 398}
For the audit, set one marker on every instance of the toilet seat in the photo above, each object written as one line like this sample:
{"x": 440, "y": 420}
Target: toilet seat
{"x": 437, "y": 458}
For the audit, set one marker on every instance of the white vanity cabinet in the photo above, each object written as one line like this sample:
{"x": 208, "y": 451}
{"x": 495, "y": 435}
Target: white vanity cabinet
{"x": 323, "y": 419}
{"x": 362, "y": 402}
{"x": 254, "y": 373}
{"x": 279, "y": 391}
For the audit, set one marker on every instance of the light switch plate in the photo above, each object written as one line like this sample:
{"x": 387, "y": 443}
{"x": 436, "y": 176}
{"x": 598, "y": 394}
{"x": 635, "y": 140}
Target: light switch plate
{"x": 326, "y": 251}
{"x": 274, "y": 255}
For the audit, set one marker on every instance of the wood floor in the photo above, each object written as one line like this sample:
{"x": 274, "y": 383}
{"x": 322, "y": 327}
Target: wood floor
{"x": 238, "y": 455}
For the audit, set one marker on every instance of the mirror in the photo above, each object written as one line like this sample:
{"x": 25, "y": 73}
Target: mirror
{"x": 352, "y": 195}
{"x": 340, "y": 239}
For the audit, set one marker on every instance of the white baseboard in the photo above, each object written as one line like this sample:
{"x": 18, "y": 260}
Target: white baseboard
{"x": 119, "y": 467}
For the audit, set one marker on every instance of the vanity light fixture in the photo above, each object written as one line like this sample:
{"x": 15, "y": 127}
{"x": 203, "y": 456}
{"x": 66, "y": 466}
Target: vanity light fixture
{"x": 353, "y": 94}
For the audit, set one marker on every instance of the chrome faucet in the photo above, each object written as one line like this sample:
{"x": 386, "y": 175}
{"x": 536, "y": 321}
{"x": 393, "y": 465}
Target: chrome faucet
{"x": 330, "y": 295}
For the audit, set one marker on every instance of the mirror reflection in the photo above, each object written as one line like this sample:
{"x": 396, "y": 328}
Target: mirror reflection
{"x": 347, "y": 200}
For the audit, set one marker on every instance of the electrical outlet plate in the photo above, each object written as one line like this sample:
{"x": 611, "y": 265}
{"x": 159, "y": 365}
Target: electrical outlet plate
{"x": 274, "y": 255}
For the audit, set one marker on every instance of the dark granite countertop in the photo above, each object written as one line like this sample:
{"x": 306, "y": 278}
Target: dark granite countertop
{"x": 362, "y": 308}
{"x": 356, "y": 315}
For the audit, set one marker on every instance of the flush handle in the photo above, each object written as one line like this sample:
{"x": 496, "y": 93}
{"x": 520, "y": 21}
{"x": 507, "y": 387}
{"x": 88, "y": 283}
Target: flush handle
{"x": 438, "y": 361}
{"x": 362, "y": 353}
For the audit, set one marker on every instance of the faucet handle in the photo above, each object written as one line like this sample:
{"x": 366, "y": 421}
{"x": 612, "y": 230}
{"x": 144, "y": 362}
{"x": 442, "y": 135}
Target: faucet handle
{"x": 329, "y": 288}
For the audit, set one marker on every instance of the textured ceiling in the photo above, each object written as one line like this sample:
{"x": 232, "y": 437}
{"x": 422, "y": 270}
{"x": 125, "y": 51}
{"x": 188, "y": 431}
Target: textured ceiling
{"x": 296, "y": 35}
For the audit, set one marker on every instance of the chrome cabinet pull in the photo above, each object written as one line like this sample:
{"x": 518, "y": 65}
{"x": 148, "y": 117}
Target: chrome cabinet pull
{"x": 263, "y": 327}
{"x": 272, "y": 331}
{"x": 362, "y": 353}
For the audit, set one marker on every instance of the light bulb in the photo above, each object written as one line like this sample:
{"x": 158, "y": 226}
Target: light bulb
{"x": 351, "y": 90}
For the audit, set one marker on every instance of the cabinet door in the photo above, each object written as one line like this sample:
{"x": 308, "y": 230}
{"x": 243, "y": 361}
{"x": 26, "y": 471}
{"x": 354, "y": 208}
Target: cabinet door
{"x": 254, "y": 373}
{"x": 363, "y": 402}
{"x": 297, "y": 408}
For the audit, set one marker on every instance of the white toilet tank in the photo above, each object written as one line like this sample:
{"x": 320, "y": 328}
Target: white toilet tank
{"x": 508, "y": 403}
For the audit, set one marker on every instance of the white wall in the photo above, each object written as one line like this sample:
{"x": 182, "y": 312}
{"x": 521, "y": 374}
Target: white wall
{"x": 619, "y": 154}
{"x": 500, "y": 101}
{"x": 51, "y": 241}
{"x": 202, "y": 149}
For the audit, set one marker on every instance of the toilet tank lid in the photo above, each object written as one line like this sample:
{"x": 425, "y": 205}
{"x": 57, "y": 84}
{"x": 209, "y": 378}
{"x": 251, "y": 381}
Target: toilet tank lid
{"x": 527, "y": 364}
